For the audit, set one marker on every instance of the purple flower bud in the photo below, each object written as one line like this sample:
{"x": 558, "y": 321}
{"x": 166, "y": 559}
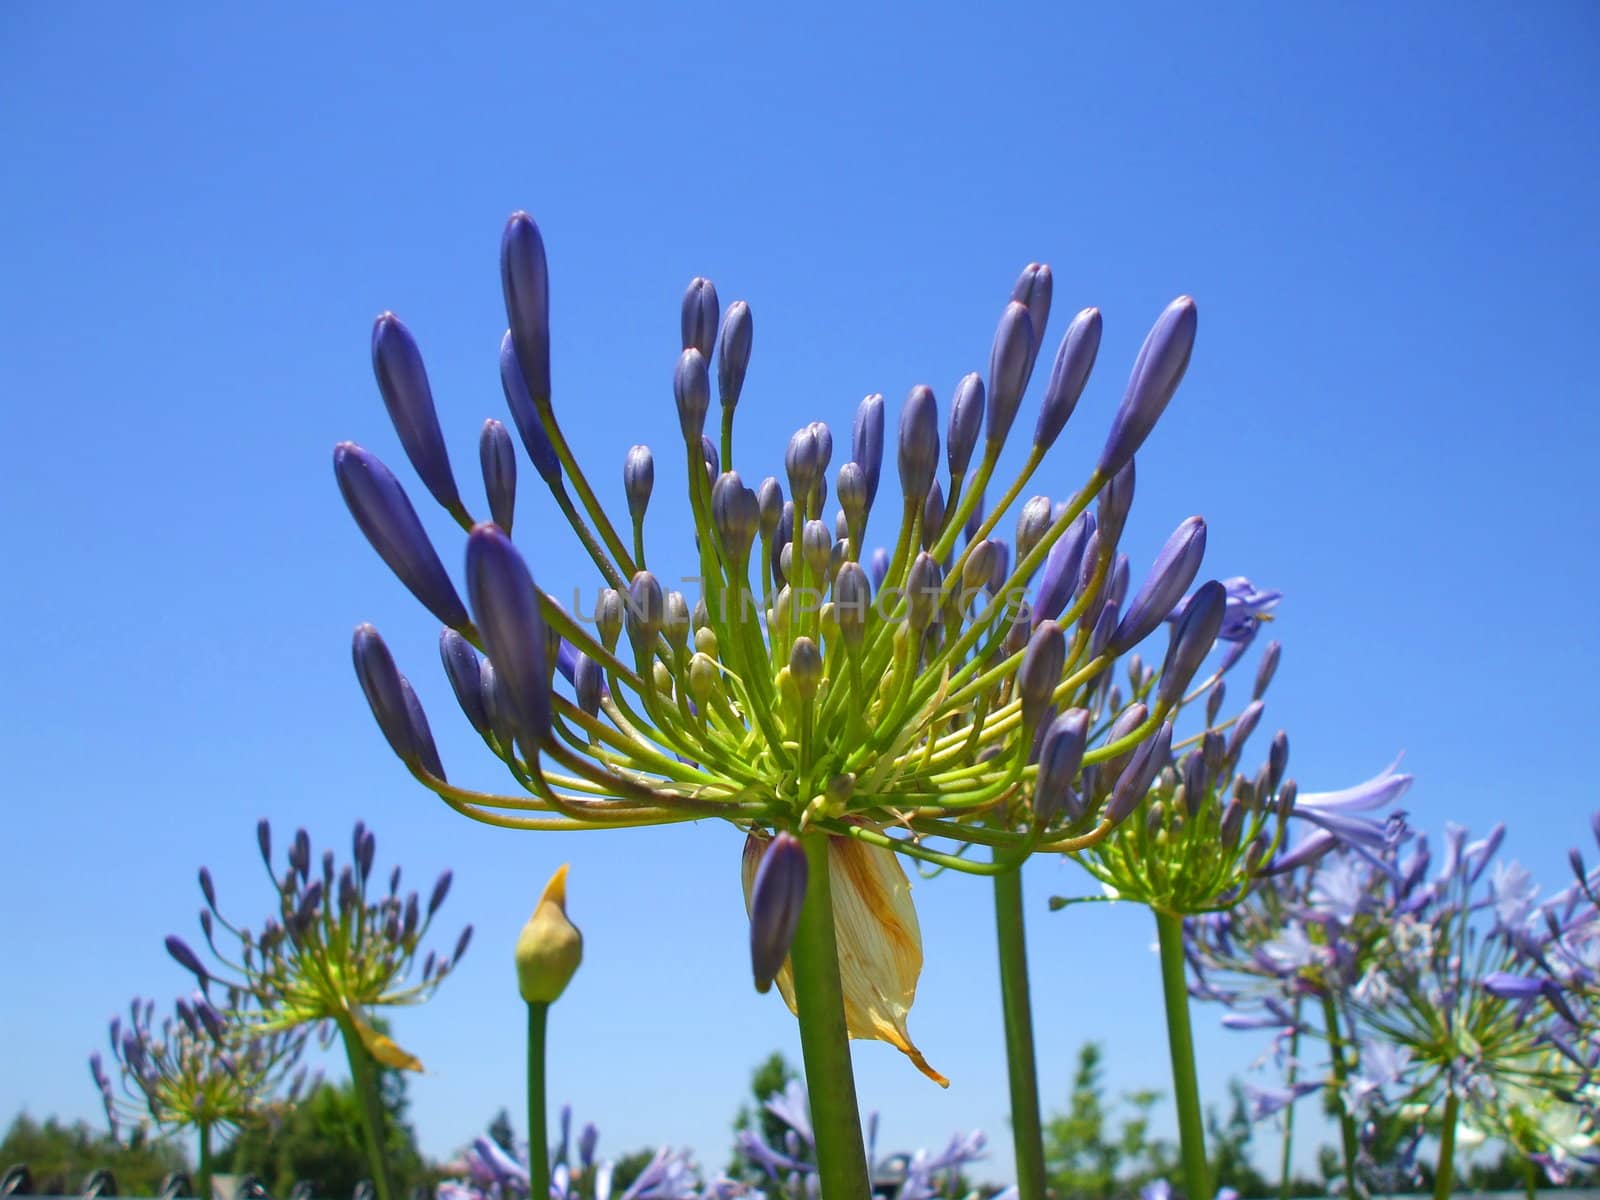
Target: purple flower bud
{"x": 1117, "y": 588}
{"x": 803, "y": 462}
{"x": 1042, "y": 663}
{"x": 1513, "y": 987}
{"x": 638, "y": 480}
{"x": 851, "y": 596}
{"x": 1192, "y": 639}
{"x": 733, "y": 352}
{"x": 851, "y": 490}
{"x": 1104, "y": 626}
{"x": 207, "y": 889}
{"x": 187, "y": 959}
{"x": 866, "y": 442}
{"x": 647, "y": 608}
{"x": 737, "y": 514}
{"x": 466, "y": 680}
{"x": 879, "y": 566}
{"x": 966, "y": 419}
{"x": 525, "y": 416}
{"x": 525, "y": 280}
{"x": 379, "y": 505}
{"x": 1214, "y": 697}
{"x": 1267, "y": 669}
{"x": 1061, "y": 568}
{"x": 386, "y": 692}
{"x": 300, "y": 853}
{"x": 699, "y": 316}
{"x": 1033, "y": 522}
{"x": 264, "y": 840}
{"x": 421, "y": 735}
{"x": 1277, "y": 759}
{"x": 1156, "y": 374}
{"x": 461, "y": 945}
{"x": 1074, "y": 361}
{"x": 1000, "y": 566}
{"x": 923, "y": 583}
{"x": 919, "y": 444}
{"x": 498, "y": 458}
{"x": 366, "y": 850}
{"x": 403, "y": 381}
{"x": 589, "y": 684}
{"x": 1170, "y": 576}
{"x": 1010, "y": 361}
{"x": 1033, "y": 289}
{"x": 933, "y": 514}
{"x": 441, "y": 889}
{"x": 210, "y": 1019}
{"x": 1139, "y": 774}
{"x": 824, "y": 436}
{"x": 691, "y": 388}
{"x": 506, "y": 604}
{"x": 1243, "y": 727}
{"x": 1116, "y": 498}
{"x": 1195, "y": 781}
{"x": 978, "y": 570}
{"x": 776, "y": 898}
{"x": 1060, "y": 756}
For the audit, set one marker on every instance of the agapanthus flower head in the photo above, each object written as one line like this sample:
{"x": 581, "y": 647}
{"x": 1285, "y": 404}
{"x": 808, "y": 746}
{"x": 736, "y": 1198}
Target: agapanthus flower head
{"x": 338, "y": 945}
{"x": 893, "y": 698}
{"x": 200, "y": 1067}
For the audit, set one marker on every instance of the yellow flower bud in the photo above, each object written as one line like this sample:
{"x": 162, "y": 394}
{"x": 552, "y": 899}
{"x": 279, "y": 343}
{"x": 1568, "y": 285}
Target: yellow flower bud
{"x": 550, "y": 947}
{"x": 880, "y": 942}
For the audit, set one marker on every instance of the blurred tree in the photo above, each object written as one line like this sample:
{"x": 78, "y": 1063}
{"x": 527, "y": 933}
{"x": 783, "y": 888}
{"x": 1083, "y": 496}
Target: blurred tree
{"x": 1084, "y": 1156}
{"x": 61, "y": 1156}
{"x": 320, "y": 1142}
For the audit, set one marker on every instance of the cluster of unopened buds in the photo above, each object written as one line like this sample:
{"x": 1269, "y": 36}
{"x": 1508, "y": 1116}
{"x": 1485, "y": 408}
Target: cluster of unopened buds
{"x": 340, "y": 946}
{"x": 946, "y": 692}
{"x": 196, "y": 1069}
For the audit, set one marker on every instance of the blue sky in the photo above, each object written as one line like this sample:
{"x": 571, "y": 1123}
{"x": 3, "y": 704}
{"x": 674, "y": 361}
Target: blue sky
{"x": 1384, "y": 213}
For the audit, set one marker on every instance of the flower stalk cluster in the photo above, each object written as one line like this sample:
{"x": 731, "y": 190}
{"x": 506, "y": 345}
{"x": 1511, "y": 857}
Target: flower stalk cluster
{"x": 339, "y": 945}
{"x": 197, "y": 1069}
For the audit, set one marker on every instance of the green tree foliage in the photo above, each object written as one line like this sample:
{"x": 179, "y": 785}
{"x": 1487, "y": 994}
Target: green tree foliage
{"x": 320, "y": 1141}
{"x": 1084, "y": 1155}
{"x": 61, "y": 1157}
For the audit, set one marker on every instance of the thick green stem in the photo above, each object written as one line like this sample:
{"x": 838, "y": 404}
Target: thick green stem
{"x": 824, "y": 1039}
{"x": 538, "y": 1122}
{"x": 1180, "y": 1040}
{"x": 364, "y": 1079}
{"x": 203, "y": 1169}
{"x": 1445, "y": 1175}
{"x": 1341, "y": 1072}
{"x": 1286, "y": 1168}
{"x": 1026, "y": 1132}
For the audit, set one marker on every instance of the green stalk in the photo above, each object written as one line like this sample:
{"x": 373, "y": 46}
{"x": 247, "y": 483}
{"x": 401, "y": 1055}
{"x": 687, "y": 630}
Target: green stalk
{"x": 538, "y": 1122}
{"x": 1288, "y": 1113}
{"x": 1026, "y": 1133}
{"x": 365, "y": 1081}
{"x": 824, "y": 1040}
{"x": 1341, "y": 1071}
{"x": 203, "y": 1170}
{"x": 1444, "y": 1176}
{"x": 1180, "y": 1040}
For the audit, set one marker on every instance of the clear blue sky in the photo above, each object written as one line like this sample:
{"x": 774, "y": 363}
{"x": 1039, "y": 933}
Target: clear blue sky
{"x": 1385, "y": 213}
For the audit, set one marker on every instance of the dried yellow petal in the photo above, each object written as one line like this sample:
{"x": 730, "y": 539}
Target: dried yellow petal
{"x": 382, "y": 1048}
{"x": 879, "y": 940}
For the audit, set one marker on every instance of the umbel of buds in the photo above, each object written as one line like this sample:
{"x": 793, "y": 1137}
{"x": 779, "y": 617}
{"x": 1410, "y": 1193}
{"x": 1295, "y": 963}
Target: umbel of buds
{"x": 199, "y": 1068}
{"x": 342, "y": 942}
{"x": 886, "y": 679}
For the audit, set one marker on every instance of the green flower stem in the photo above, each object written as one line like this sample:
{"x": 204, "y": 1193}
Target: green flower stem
{"x": 203, "y": 1170}
{"x": 1341, "y": 1072}
{"x": 1180, "y": 1040}
{"x": 1445, "y": 1174}
{"x": 1288, "y": 1113}
{"x": 824, "y": 1040}
{"x": 364, "y": 1078}
{"x": 538, "y": 1121}
{"x": 1026, "y": 1133}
